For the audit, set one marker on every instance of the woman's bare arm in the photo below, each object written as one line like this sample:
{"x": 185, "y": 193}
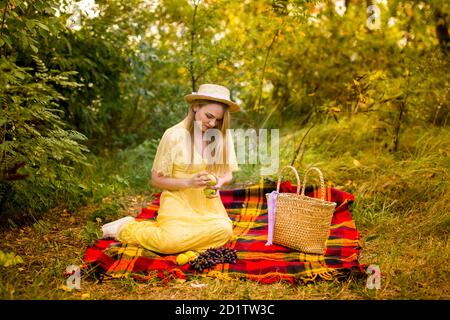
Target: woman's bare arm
{"x": 167, "y": 183}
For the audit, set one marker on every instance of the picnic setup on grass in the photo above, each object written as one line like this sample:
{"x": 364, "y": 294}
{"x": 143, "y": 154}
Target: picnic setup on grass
{"x": 282, "y": 231}
{"x": 214, "y": 149}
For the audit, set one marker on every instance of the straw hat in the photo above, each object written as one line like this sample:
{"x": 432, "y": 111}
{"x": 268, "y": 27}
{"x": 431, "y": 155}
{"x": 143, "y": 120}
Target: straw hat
{"x": 213, "y": 92}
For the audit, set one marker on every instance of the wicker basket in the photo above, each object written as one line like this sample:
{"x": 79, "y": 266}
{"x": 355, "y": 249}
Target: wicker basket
{"x": 301, "y": 222}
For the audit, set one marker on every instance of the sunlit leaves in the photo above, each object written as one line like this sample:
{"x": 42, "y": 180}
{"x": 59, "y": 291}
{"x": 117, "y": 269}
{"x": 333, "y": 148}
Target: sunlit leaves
{"x": 8, "y": 259}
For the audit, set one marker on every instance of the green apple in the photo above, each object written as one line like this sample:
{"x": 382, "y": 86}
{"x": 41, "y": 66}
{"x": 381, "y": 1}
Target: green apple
{"x": 210, "y": 193}
{"x": 212, "y": 178}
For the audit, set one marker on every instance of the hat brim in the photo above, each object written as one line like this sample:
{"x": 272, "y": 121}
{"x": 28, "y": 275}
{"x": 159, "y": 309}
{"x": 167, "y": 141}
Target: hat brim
{"x": 190, "y": 98}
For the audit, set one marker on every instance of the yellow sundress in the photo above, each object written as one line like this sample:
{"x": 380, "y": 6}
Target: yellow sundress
{"x": 187, "y": 219}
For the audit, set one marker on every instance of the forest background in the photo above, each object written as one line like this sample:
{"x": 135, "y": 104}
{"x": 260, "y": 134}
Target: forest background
{"x": 358, "y": 88}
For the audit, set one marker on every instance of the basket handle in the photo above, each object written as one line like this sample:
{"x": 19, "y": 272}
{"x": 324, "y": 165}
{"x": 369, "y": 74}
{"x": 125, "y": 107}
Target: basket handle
{"x": 296, "y": 175}
{"x": 322, "y": 184}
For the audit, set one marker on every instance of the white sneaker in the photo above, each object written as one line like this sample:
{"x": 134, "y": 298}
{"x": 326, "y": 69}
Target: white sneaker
{"x": 112, "y": 229}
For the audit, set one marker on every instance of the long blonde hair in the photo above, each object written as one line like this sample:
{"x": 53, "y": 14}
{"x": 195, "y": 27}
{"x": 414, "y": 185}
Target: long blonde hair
{"x": 217, "y": 168}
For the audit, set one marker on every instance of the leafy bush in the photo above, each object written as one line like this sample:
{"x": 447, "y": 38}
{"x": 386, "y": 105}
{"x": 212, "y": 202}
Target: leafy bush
{"x": 38, "y": 151}
{"x": 91, "y": 232}
{"x": 128, "y": 171}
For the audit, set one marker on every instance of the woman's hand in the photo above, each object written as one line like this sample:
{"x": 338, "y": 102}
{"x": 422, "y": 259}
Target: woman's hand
{"x": 199, "y": 180}
{"x": 220, "y": 183}
{"x": 226, "y": 179}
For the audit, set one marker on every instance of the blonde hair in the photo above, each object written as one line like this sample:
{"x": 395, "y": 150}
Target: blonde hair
{"x": 223, "y": 166}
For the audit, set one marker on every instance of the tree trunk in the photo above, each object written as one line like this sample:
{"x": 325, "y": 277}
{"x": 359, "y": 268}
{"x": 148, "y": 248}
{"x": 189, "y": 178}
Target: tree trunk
{"x": 402, "y": 107}
{"x": 442, "y": 29}
{"x": 191, "y": 63}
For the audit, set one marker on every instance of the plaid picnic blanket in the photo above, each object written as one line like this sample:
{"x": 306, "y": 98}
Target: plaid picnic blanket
{"x": 247, "y": 208}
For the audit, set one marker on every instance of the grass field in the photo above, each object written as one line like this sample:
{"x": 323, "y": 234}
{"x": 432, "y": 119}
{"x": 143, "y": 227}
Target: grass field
{"x": 401, "y": 210}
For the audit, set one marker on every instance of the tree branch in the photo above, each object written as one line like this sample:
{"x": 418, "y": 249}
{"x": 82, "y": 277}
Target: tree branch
{"x": 301, "y": 143}
{"x": 193, "y": 34}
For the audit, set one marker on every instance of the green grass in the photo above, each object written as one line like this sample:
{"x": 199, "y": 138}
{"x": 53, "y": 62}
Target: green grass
{"x": 402, "y": 201}
{"x": 401, "y": 209}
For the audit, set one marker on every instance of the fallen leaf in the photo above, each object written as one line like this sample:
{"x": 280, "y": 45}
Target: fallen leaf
{"x": 65, "y": 288}
{"x": 356, "y": 163}
{"x": 85, "y": 296}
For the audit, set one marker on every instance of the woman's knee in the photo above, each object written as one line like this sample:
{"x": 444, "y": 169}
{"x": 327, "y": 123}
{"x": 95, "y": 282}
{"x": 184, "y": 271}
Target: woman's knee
{"x": 171, "y": 243}
{"x": 225, "y": 229}
{"x": 169, "y": 248}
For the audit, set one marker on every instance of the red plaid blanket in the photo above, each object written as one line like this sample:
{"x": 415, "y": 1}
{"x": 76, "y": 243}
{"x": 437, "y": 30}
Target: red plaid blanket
{"x": 247, "y": 208}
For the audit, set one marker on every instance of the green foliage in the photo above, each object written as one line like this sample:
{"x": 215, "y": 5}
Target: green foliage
{"x": 25, "y": 23}
{"x": 9, "y": 259}
{"x": 135, "y": 164}
{"x": 291, "y": 64}
{"x": 33, "y": 136}
{"x": 126, "y": 172}
{"x": 121, "y": 70}
{"x": 91, "y": 232}
{"x": 354, "y": 158}
{"x": 38, "y": 152}
{"x": 107, "y": 212}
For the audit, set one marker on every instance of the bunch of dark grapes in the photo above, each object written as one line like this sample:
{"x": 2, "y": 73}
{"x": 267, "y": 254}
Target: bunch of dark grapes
{"x": 213, "y": 256}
